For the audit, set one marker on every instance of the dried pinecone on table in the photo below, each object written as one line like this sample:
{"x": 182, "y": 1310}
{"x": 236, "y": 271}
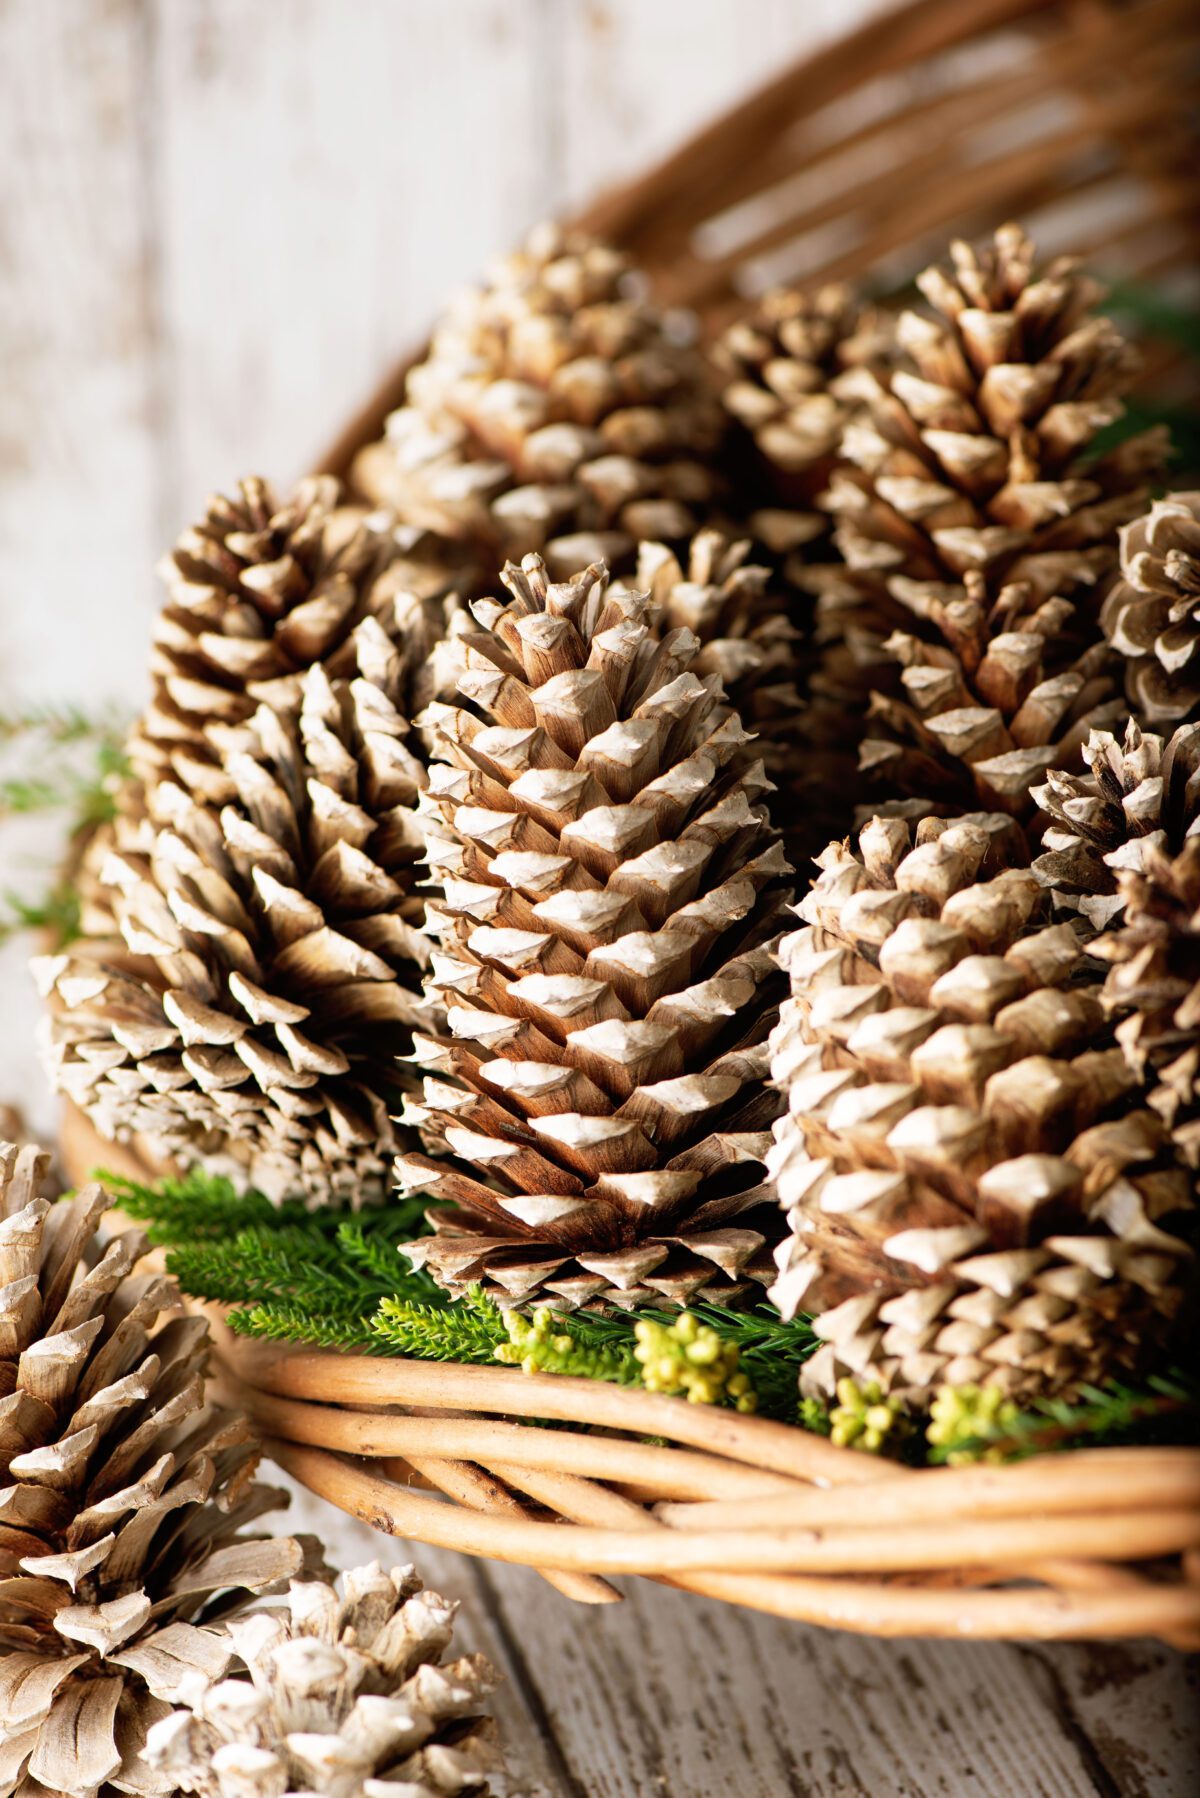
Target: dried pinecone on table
{"x": 344, "y": 1695}
{"x": 1123, "y": 849}
{"x": 1152, "y": 615}
{"x": 122, "y": 1499}
{"x": 555, "y": 410}
{"x": 976, "y": 1188}
{"x": 612, "y": 888}
{"x": 978, "y": 529}
{"x": 263, "y": 962}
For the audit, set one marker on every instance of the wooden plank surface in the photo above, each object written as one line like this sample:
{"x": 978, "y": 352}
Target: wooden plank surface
{"x": 220, "y": 220}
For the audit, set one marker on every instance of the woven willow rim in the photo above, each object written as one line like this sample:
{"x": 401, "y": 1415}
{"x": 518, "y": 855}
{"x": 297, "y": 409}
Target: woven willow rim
{"x": 1098, "y": 1543}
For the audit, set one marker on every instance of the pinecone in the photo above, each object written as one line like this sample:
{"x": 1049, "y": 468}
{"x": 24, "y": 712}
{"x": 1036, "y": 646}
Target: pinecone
{"x": 1153, "y": 615}
{"x": 257, "y": 594}
{"x": 555, "y": 410}
{"x": 975, "y": 1193}
{"x": 969, "y": 516}
{"x": 747, "y": 639}
{"x": 123, "y": 1494}
{"x": 345, "y": 1696}
{"x": 795, "y": 377}
{"x": 1124, "y": 850}
{"x": 612, "y": 888}
{"x": 269, "y": 956}
{"x": 994, "y": 693}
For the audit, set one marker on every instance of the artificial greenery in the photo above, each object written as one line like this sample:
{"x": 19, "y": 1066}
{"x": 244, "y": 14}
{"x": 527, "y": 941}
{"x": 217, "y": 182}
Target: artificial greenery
{"x": 865, "y": 1418}
{"x": 341, "y": 1280}
{"x": 972, "y": 1423}
{"x": 690, "y": 1358}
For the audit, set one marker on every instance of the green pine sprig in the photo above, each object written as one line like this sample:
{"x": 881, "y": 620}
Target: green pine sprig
{"x": 966, "y": 1428}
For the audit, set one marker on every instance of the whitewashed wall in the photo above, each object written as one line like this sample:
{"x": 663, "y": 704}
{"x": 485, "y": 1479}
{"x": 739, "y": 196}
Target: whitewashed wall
{"x": 221, "y": 219}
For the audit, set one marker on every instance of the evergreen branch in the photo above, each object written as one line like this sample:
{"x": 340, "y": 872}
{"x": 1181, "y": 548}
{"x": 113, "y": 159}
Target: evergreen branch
{"x": 293, "y": 1323}
{"x": 463, "y": 1331}
{"x": 197, "y": 1206}
{"x": 975, "y": 1424}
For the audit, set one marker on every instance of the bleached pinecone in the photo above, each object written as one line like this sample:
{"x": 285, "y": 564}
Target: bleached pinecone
{"x": 556, "y": 410}
{"x": 339, "y": 1695}
{"x": 973, "y": 457}
{"x": 1099, "y": 822}
{"x": 740, "y": 615}
{"x": 267, "y": 963}
{"x": 1152, "y": 614}
{"x": 994, "y": 692}
{"x": 612, "y": 888}
{"x": 975, "y": 1191}
{"x": 122, "y": 1495}
{"x": 257, "y": 593}
{"x": 1124, "y": 850}
{"x": 968, "y": 512}
{"x": 793, "y": 369}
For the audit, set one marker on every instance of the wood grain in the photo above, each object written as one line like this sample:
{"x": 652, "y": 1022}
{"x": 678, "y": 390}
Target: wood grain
{"x": 221, "y": 220}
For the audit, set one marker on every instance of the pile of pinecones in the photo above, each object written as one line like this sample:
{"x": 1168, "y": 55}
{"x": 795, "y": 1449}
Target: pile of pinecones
{"x": 474, "y": 805}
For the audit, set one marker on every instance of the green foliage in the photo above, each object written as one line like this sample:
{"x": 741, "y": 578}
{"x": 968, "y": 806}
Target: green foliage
{"x": 689, "y": 1358}
{"x": 970, "y": 1423}
{"x": 469, "y": 1329}
{"x": 198, "y": 1207}
{"x": 282, "y": 1322}
{"x": 553, "y": 1343}
{"x": 867, "y": 1419}
{"x": 59, "y": 779}
{"x": 57, "y": 911}
{"x": 289, "y": 1267}
{"x": 55, "y": 776}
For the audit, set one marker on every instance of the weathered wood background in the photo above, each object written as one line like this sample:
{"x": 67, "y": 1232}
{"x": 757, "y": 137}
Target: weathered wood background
{"x": 219, "y": 220}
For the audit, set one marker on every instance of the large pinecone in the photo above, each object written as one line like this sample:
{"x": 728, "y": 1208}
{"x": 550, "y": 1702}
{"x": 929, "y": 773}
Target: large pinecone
{"x": 121, "y": 1499}
{"x": 1123, "y": 849}
{"x": 970, "y": 515}
{"x": 269, "y": 957}
{"x": 974, "y": 1191}
{"x": 259, "y": 592}
{"x": 740, "y": 614}
{"x": 555, "y": 410}
{"x": 1153, "y": 615}
{"x": 612, "y": 889}
{"x": 340, "y": 1695}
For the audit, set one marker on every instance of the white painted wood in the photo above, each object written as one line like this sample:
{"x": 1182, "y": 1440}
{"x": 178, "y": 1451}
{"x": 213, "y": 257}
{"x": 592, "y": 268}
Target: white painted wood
{"x": 327, "y": 173}
{"x": 637, "y": 78}
{"x": 681, "y": 1695}
{"x": 78, "y": 451}
{"x": 221, "y": 220}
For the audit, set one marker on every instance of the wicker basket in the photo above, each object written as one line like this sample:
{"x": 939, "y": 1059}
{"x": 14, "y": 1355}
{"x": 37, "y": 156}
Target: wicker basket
{"x": 950, "y": 115}
{"x": 1104, "y": 1542}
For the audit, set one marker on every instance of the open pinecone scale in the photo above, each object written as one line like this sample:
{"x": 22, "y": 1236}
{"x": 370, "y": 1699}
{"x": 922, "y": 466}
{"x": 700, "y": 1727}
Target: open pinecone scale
{"x": 610, "y": 888}
{"x": 122, "y": 1497}
{"x": 976, "y": 1189}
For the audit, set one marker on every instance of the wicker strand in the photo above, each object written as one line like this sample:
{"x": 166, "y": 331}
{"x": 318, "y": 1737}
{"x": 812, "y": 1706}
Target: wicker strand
{"x": 848, "y": 1604}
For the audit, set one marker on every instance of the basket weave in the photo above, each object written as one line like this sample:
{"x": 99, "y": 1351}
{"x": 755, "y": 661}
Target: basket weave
{"x": 1105, "y": 1542}
{"x": 943, "y": 117}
